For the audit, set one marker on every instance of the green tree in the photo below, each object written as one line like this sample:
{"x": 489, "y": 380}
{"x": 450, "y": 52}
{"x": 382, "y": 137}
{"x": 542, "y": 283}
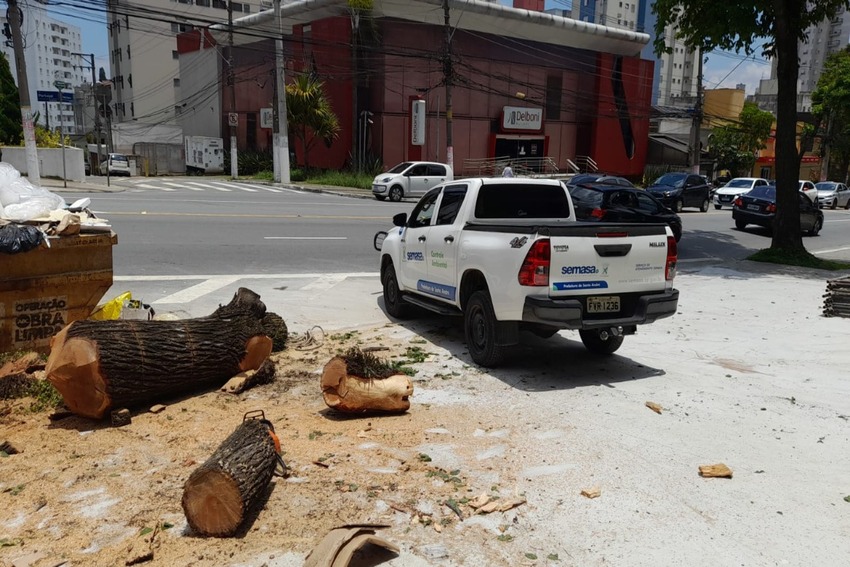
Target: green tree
{"x": 831, "y": 106}
{"x": 309, "y": 113}
{"x": 734, "y": 146}
{"x": 709, "y": 24}
{"x": 11, "y": 129}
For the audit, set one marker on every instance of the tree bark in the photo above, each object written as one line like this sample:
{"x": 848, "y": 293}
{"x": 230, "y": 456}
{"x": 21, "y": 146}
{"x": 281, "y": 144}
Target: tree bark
{"x": 786, "y": 230}
{"x": 100, "y": 365}
{"x": 355, "y": 394}
{"x": 219, "y": 494}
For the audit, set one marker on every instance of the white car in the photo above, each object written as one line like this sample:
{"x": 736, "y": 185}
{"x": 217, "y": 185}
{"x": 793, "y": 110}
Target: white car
{"x": 410, "y": 179}
{"x": 810, "y": 190}
{"x": 118, "y": 164}
{"x": 833, "y": 195}
{"x": 726, "y": 195}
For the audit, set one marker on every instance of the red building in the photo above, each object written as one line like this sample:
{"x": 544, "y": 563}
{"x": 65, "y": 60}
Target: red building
{"x": 524, "y": 84}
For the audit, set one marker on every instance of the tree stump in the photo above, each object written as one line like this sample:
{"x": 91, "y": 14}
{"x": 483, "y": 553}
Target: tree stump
{"x": 220, "y": 493}
{"x": 100, "y": 365}
{"x": 360, "y": 383}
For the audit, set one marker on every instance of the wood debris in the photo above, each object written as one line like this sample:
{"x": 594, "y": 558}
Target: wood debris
{"x": 654, "y": 407}
{"x": 157, "y": 408}
{"x": 265, "y": 374}
{"x": 500, "y": 505}
{"x": 359, "y": 382}
{"x": 715, "y": 471}
{"x": 594, "y": 492}
{"x": 836, "y": 300}
{"x": 120, "y": 417}
{"x": 479, "y": 501}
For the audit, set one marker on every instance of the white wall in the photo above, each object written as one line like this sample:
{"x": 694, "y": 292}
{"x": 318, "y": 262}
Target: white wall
{"x": 49, "y": 161}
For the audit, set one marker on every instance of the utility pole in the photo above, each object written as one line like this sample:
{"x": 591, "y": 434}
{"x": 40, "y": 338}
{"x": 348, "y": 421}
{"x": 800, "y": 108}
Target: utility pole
{"x": 281, "y": 126}
{"x": 60, "y": 85}
{"x": 697, "y": 121}
{"x": 355, "y": 82}
{"x": 16, "y": 16}
{"x": 233, "y": 117}
{"x": 96, "y": 113}
{"x": 448, "y": 78}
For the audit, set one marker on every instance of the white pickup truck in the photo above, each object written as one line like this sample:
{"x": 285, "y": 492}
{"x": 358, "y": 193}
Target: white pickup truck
{"x": 508, "y": 254}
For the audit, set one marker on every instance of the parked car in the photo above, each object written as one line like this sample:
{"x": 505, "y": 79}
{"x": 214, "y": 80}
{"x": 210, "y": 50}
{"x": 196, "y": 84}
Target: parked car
{"x": 580, "y": 178}
{"x": 810, "y": 190}
{"x": 726, "y": 195}
{"x": 832, "y": 194}
{"x": 410, "y": 179}
{"x": 611, "y": 203}
{"x": 759, "y": 207}
{"x": 682, "y": 189}
{"x": 118, "y": 164}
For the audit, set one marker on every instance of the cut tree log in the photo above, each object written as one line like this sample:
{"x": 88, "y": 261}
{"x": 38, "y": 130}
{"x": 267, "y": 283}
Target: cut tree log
{"x": 250, "y": 378}
{"x": 347, "y": 392}
{"x": 100, "y": 365}
{"x": 220, "y": 494}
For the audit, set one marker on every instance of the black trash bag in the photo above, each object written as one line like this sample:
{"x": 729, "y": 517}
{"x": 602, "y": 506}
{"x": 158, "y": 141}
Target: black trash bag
{"x": 16, "y": 238}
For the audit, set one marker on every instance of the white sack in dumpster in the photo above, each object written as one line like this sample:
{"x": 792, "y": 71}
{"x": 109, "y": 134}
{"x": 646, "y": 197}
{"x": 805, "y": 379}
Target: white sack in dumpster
{"x": 20, "y": 200}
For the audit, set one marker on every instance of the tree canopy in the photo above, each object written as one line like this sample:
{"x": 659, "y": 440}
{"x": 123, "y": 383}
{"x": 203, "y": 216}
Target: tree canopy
{"x": 739, "y": 26}
{"x": 734, "y": 146}
{"x": 11, "y": 128}
{"x": 831, "y": 106}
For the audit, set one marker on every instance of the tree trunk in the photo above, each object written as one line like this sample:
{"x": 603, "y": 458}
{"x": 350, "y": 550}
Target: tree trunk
{"x": 219, "y": 494}
{"x": 786, "y": 230}
{"x": 101, "y": 365}
{"x": 355, "y": 394}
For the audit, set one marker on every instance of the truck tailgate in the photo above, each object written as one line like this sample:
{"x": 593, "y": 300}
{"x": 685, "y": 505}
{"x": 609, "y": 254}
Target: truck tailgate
{"x": 604, "y": 259}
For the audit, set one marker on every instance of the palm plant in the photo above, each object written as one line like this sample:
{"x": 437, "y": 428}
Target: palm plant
{"x": 310, "y": 114}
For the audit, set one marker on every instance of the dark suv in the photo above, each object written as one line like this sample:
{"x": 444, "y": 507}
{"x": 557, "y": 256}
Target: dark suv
{"x": 602, "y": 202}
{"x": 681, "y": 189}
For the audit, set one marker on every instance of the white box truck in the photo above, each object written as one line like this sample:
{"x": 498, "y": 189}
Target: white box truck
{"x": 204, "y": 155}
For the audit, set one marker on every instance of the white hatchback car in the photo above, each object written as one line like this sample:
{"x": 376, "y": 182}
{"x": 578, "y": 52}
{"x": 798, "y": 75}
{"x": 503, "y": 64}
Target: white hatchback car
{"x": 726, "y": 195}
{"x": 117, "y": 164}
{"x": 410, "y": 179}
{"x": 810, "y": 190}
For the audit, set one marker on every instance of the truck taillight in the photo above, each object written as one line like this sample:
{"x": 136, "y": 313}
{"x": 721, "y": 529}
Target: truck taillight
{"x": 672, "y": 257}
{"x": 535, "y": 267}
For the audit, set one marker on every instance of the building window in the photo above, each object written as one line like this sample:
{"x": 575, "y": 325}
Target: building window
{"x": 251, "y": 127}
{"x": 130, "y": 80}
{"x": 132, "y": 110}
{"x": 553, "y": 97}
{"x": 177, "y": 81}
{"x": 204, "y": 3}
{"x": 175, "y": 54}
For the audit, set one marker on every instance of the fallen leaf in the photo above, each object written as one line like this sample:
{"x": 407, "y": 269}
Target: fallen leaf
{"x": 654, "y": 407}
{"x": 489, "y": 507}
{"x": 847, "y": 498}
{"x": 505, "y": 505}
{"x": 479, "y": 501}
{"x": 715, "y": 471}
{"x": 594, "y": 492}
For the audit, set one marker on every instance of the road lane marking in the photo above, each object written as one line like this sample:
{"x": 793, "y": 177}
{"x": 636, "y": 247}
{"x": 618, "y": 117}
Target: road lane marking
{"x": 190, "y": 277}
{"x": 239, "y": 186}
{"x": 181, "y": 186}
{"x": 198, "y": 290}
{"x": 305, "y": 238}
{"x": 830, "y": 250}
{"x": 148, "y": 186}
{"x": 208, "y": 186}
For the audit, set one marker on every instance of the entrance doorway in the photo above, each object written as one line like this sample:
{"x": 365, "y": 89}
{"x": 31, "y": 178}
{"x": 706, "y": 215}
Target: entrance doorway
{"x": 528, "y": 152}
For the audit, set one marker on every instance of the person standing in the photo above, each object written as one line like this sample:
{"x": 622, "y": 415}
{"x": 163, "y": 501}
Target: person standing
{"x": 507, "y": 172}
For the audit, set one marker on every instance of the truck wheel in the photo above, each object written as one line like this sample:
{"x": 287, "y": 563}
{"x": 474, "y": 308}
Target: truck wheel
{"x": 393, "y": 298}
{"x": 396, "y": 193}
{"x": 479, "y": 326}
{"x": 597, "y": 345}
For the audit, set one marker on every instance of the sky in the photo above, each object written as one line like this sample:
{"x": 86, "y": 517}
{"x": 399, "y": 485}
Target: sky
{"x": 721, "y": 70}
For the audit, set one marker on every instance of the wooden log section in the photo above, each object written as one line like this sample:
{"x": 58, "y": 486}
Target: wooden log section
{"x": 350, "y": 393}
{"x": 220, "y": 494}
{"x": 100, "y": 365}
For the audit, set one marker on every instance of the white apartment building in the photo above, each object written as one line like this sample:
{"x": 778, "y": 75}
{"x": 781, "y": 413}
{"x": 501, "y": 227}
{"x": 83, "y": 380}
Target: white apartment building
{"x": 49, "y": 50}
{"x": 826, "y": 38}
{"x": 678, "y": 71}
{"x": 143, "y": 52}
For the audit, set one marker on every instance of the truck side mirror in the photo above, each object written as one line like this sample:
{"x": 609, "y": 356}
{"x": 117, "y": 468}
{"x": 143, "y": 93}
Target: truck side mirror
{"x": 400, "y": 219}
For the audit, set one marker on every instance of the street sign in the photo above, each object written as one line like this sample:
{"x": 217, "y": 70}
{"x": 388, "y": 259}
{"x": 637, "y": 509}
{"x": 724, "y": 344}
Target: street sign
{"x": 61, "y": 85}
{"x": 53, "y": 96}
{"x": 232, "y": 119}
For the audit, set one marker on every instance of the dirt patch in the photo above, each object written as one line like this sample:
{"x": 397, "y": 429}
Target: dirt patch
{"x": 91, "y": 494}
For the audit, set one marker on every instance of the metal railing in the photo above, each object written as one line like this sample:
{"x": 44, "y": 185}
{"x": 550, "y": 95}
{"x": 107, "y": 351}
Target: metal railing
{"x": 493, "y": 167}
{"x": 586, "y": 164}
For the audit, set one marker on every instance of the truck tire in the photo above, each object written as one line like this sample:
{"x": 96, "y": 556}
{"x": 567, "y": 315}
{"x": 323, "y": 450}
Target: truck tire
{"x": 396, "y": 193}
{"x": 479, "y": 326}
{"x": 597, "y": 345}
{"x": 393, "y": 298}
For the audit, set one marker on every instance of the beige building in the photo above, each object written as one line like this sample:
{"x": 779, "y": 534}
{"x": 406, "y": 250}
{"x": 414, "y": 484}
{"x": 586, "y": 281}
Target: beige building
{"x": 143, "y": 52}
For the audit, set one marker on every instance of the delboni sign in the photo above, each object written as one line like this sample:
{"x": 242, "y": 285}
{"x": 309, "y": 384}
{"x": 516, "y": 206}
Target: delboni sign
{"x": 519, "y": 118}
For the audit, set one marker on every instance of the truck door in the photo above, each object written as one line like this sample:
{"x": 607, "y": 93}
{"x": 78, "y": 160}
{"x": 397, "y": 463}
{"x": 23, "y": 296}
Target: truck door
{"x": 443, "y": 242}
{"x": 414, "y": 242}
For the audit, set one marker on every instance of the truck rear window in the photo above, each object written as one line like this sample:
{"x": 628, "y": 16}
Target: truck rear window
{"x": 513, "y": 201}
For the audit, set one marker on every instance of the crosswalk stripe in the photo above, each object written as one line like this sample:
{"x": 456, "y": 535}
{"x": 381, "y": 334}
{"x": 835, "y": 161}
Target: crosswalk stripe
{"x": 181, "y": 186}
{"x": 147, "y": 186}
{"x": 239, "y": 186}
{"x": 208, "y": 186}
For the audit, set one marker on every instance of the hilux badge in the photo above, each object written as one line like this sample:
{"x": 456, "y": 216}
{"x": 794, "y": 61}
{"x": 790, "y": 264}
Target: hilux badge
{"x": 519, "y": 242}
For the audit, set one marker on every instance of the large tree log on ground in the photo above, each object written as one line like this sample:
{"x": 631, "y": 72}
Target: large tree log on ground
{"x": 219, "y": 494}
{"x": 360, "y": 383}
{"x": 101, "y": 365}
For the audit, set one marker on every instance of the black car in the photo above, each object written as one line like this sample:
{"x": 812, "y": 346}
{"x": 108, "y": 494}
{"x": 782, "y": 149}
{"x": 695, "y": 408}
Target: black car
{"x": 581, "y": 178}
{"x": 759, "y": 207}
{"x": 602, "y": 202}
{"x": 679, "y": 190}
